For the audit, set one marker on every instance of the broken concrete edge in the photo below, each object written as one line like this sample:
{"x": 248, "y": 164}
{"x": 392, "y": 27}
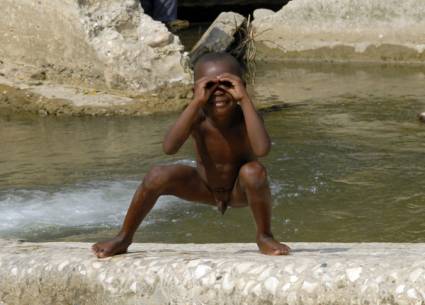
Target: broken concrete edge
{"x": 383, "y": 54}
{"x": 58, "y": 100}
{"x": 61, "y": 100}
{"x": 352, "y": 31}
{"x": 70, "y": 101}
{"x": 315, "y": 273}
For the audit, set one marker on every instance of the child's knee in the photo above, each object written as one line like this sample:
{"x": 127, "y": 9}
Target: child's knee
{"x": 155, "y": 179}
{"x": 253, "y": 175}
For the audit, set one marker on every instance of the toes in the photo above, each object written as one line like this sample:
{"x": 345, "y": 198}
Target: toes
{"x": 282, "y": 250}
{"x": 101, "y": 254}
{"x": 94, "y": 248}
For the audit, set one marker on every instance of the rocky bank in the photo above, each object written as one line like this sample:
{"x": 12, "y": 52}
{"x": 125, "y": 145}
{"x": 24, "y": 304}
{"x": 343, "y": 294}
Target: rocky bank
{"x": 79, "y": 57}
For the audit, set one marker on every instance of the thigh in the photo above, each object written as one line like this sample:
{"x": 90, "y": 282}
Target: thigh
{"x": 185, "y": 183}
{"x": 251, "y": 183}
{"x": 238, "y": 198}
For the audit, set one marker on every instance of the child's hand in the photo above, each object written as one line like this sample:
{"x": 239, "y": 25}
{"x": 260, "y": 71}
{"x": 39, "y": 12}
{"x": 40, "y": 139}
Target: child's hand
{"x": 203, "y": 89}
{"x": 234, "y": 85}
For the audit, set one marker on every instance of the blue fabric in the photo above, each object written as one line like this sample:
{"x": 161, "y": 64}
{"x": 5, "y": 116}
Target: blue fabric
{"x": 162, "y": 10}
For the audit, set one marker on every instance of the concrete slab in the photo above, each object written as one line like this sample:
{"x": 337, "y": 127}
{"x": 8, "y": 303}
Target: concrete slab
{"x": 315, "y": 273}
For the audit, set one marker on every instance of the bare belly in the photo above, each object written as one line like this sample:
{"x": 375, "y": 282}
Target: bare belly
{"x": 219, "y": 177}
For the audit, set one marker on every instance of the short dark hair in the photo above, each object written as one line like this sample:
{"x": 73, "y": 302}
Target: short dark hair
{"x": 219, "y": 57}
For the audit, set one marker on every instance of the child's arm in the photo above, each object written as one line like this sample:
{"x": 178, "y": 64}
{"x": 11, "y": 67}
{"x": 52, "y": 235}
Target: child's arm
{"x": 257, "y": 133}
{"x": 182, "y": 128}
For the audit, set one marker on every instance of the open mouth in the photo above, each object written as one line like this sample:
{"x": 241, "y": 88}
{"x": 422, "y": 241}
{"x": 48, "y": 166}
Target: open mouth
{"x": 219, "y": 104}
{"x": 220, "y": 101}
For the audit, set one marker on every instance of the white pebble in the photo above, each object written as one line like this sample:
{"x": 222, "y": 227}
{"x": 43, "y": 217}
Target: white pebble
{"x": 400, "y": 289}
{"x": 227, "y": 285}
{"x": 265, "y": 274}
{"x": 192, "y": 263}
{"x": 62, "y": 265}
{"x": 97, "y": 265}
{"x": 353, "y": 273}
{"x": 257, "y": 290}
{"x": 286, "y": 286}
{"x": 208, "y": 280}
{"x": 248, "y": 286}
{"x": 309, "y": 287}
{"x": 289, "y": 268}
{"x": 150, "y": 280}
{"x": 411, "y": 293}
{"x": 101, "y": 277}
{"x": 293, "y": 278}
{"x": 14, "y": 271}
{"x": 243, "y": 267}
{"x": 300, "y": 268}
{"x": 201, "y": 270}
{"x": 271, "y": 284}
{"x": 133, "y": 287}
{"x": 415, "y": 274}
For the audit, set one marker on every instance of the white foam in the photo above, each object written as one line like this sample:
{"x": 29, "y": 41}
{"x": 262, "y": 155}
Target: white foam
{"x": 91, "y": 205}
{"x": 86, "y": 206}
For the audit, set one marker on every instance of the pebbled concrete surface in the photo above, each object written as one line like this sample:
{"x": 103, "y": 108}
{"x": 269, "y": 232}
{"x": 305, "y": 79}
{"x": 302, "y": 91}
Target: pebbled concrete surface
{"x": 315, "y": 273}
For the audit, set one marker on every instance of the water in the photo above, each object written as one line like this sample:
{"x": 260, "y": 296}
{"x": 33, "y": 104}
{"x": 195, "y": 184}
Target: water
{"x": 346, "y": 165}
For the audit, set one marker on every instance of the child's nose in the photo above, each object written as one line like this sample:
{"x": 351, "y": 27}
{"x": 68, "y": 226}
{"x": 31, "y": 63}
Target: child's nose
{"x": 219, "y": 91}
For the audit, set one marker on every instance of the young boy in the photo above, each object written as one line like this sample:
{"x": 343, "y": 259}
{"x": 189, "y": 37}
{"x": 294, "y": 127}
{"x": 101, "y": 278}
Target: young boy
{"x": 229, "y": 136}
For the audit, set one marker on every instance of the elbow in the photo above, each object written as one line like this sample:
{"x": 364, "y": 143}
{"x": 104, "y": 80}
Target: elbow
{"x": 262, "y": 151}
{"x": 168, "y": 150}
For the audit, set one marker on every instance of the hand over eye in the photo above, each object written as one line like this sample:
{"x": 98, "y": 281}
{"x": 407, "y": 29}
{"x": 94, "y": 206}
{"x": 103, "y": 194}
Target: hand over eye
{"x": 203, "y": 88}
{"x": 225, "y": 84}
{"x": 234, "y": 85}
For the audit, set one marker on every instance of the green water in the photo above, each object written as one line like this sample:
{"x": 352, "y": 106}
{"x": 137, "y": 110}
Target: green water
{"x": 347, "y": 165}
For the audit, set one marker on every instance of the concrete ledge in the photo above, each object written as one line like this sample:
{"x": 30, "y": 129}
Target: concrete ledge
{"x": 389, "y": 31}
{"x": 316, "y": 273}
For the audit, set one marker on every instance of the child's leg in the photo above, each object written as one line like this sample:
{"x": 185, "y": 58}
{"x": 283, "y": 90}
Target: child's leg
{"x": 179, "y": 180}
{"x": 252, "y": 187}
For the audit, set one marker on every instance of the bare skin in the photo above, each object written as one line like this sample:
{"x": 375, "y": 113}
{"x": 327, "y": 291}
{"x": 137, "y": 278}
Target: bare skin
{"x": 229, "y": 137}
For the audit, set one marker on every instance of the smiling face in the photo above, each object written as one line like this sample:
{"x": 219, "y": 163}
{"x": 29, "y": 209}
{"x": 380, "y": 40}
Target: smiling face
{"x": 220, "y": 100}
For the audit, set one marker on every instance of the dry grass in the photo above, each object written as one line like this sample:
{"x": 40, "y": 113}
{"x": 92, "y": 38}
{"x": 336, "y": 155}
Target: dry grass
{"x": 244, "y": 49}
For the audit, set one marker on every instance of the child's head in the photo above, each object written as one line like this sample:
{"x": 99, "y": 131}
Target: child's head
{"x": 214, "y": 65}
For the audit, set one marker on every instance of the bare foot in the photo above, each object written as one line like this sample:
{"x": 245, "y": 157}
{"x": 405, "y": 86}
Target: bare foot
{"x": 116, "y": 245}
{"x": 268, "y": 245}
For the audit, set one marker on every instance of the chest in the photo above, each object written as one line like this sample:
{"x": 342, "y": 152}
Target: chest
{"x": 222, "y": 144}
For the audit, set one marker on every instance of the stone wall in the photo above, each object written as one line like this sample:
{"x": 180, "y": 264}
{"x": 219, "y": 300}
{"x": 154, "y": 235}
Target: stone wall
{"x": 160, "y": 274}
{"x": 344, "y": 30}
{"x": 99, "y": 44}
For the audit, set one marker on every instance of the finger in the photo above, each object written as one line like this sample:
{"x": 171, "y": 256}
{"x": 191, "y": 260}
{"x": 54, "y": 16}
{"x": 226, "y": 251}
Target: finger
{"x": 210, "y": 84}
{"x": 206, "y": 79}
{"x": 211, "y": 89}
{"x": 229, "y": 76}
